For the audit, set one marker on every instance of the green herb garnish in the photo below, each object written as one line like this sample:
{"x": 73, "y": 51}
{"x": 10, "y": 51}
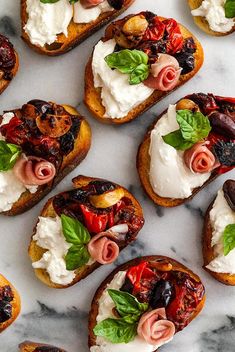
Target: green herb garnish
{"x": 9, "y": 153}
{"x": 229, "y": 238}
{"x": 194, "y": 127}
{"x": 75, "y": 233}
{"x": 133, "y": 62}
{"x": 229, "y": 8}
{"x": 123, "y": 329}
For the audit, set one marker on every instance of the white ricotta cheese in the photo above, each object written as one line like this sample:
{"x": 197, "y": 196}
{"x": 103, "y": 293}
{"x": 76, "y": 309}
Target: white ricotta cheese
{"x": 49, "y": 236}
{"x": 118, "y": 96}
{"x": 169, "y": 176}
{"x": 213, "y": 11}
{"x": 82, "y": 15}
{"x": 45, "y": 21}
{"x": 221, "y": 215}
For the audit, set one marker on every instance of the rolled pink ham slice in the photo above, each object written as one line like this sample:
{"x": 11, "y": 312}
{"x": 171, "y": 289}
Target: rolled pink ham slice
{"x": 34, "y": 171}
{"x": 102, "y": 248}
{"x": 165, "y": 73}
{"x": 90, "y": 3}
{"x": 154, "y": 328}
{"x": 200, "y": 159}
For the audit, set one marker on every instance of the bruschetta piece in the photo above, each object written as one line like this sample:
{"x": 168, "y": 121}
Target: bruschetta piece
{"x": 142, "y": 304}
{"x": 28, "y": 346}
{"x": 216, "y": 18}
{"x": 141, "y": 59}
{"x": 9, "y": 303}
{"x": 40, "y": 144}
{"x": 81, "y": 229}
{"x": 56, "y": 27}
{"x": 219, "y": 235}
{"x": 189, "y": 145}
{"x": 9, "y": 62}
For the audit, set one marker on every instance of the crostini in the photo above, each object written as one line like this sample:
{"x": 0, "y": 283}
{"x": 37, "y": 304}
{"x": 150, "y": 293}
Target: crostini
{"x": 81, "y": 229}
{"x": 215, "y": 17}
{"x": 28, "y": 346}
{"x": 140, "y": 60}
{"x": 9, "y": 62}
{"x": 191, "y": 144}
{"x": 40, "y": 144}
{"x": 9, "y": 303}
{"x": 219, "y": 235}
{"x": 142, "y": 304}
{"x": 53, "y": 27}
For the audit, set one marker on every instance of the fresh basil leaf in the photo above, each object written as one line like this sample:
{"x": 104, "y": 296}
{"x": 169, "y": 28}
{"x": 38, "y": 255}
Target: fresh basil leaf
{"x": 229, "y": 238}
{"x": 49, "y": 1}
{"x": 194, "y": 126}
{"x": 131, "y": 318}
{"x": 139, "y": 74}
{"x": 116, "y": 330}
{"x": 76, "y": 257}
{"x": 133, "y": 62}
{"x": 176, "y": 140}
{"x": 74, "y": 231}
{"x": 9, "y": 153}
{"x": 229, "y": 8}
{"x": 127, "y": 304}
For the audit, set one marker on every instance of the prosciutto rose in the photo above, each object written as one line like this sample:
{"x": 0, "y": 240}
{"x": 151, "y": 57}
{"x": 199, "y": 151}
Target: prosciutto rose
{"x": 154, "y": 328}
{"x": 200, "y": 159}
{"x": 102, "y": 247}
{"x": 164, "y": 74}
{"x": 34, "y": 171}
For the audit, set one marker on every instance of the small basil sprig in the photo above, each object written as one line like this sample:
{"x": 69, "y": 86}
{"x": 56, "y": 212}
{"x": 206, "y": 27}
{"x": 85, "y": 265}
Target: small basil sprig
{"x": 229, "y": 238}
{"x": 75, "y": 233}
{"x": 133, "y": 62}
{"x": 9, "y": 153}
{"x": 194, "y": 127}
{"x": 54, "y": 1}
{"x": 123, "y": 329}
{"x": 229, "y": 7}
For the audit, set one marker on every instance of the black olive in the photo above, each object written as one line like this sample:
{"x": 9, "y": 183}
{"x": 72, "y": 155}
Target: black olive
{"x": 186, "y": 62}
{"x": 161, "y": 294}
{"x": 7, "y": 54}
{"x": 127, "y": 286}
{"x": 149, "y": 16}
{"x": 229, "y": 193}
{"x": 116, "y": 4}
{"x": 223, "y": 124}
{"x": 225, "y": 152}
{"x": 41, "y": 105}
{"x": 5, "y": 311}
{"x": 102, "y": 186}
{"x": 79, "y": 195}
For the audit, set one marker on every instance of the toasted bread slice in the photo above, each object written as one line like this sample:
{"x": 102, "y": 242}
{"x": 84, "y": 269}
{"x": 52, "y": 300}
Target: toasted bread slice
{"x": 92, "y": 96}
{"x": 202, "y": 23}
{"x": 70, "y": 162}
{"x": 153, "y": 258}
{"x": 77, "y": 33}
{"x": 28, "y": 346}
{"x": 36, "y": 252}
{"x": 208, "y": 251}
{"x": 5, "y": 83}
{"x": 16, "y": 304}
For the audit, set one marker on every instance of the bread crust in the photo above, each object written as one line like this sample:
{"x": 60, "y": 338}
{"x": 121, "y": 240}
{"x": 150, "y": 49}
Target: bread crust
{"x": 77, "y": 33}
{"x": 208, "y": 251}
{"x": 16, "y": 303}
{"x": 143, "y": 167}
{"x": 92, "y": 97}
{"x": 5, "y": 83}
{"x": 36, "y": 252}
{"x": 70, "y": 162}
{"x": 95, "y": 302}
{"x": 202, "y": 23}
{"x": 28, "y": 346}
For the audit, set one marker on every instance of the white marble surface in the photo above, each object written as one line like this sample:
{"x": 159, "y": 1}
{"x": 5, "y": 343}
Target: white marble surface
{"x": 60, "y": 317}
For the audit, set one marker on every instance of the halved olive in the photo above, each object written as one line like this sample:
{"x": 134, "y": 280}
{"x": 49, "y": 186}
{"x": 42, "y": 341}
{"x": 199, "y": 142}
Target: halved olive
{"x": 54, "y": 125}
{"x": 107, "y": 199}
{"x": 187, "y": 104}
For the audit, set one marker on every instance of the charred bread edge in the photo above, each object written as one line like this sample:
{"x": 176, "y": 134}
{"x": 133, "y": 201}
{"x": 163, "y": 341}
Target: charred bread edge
{"x": 3, "y": 82}
{"x": 48, "y": 210}
{"x": 70, "y": 162}
{"x": 143, "y": 167}
{"x": 202, "y": 23}
{"x": 95, "y": 302}
{"x": 92, "y": 97}
{"x": 29, "y": 346}
{"x": 16, "y": 303}
{"x": 208, "y": 252}
{"x": 90, "y": 28}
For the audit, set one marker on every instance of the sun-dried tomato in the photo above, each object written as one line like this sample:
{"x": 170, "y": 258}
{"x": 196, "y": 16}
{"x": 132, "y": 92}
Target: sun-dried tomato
{"x": 138, "y": 275}
{"x": 94, "y": 222}
{"x": 174, "y": 37}
{"x": 155, "y": 30}
{"x": 15, "y": 131}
